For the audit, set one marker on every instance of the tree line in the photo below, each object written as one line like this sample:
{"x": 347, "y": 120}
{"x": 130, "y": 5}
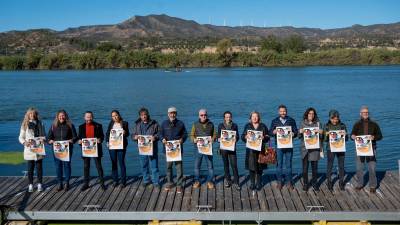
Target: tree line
{"x": 273, "y": 52}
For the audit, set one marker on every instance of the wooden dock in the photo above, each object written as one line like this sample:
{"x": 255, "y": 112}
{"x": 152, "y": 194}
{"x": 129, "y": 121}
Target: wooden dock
{"x": 135, "y": 202}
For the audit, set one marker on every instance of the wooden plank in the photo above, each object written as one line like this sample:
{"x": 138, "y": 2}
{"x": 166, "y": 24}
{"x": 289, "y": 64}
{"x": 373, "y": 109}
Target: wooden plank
{"x": 177, "y": 205}
{"x": 203, "y": 194}
{"x": 187, "y": 194}
{"x": 287, "y": 199}
{"x": 219, "y": 194}
{"x": 303, "y": 196}
{"x": 224, "y": 197}
{"x": 269, "y": 195}
{"x": 195, "y": 198}
{"x": 117, "y": 204}
{"x": 17, "y": 187}
{"x": 22, "y": 201}
{"x": 145, "y": 198}
{"x": 277, "y": 194}
{"x": 161, "y": 199}
{"x": 294, "y": 195}
{"x": 392, "y": 183}
{"x": 136, "y": 200}
{"x": 131, "y": 194}
{"x": 244, "y": 196}
{"x": 66, "y": 200}
{"x": 154, "y": 197}
{"x": 388, "y": 196}
{"x": 211, "y": 198}
{"x": 337, "y": 195}
{"x": 108, "y": 197}
{"x": 236, "y": 198}
{"x": 48, "y": 190}
{"x": 82, "y": 197}
{"x": 328, "y": 195}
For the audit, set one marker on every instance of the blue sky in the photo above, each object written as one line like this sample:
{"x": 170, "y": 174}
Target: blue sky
{"x": 61, "y": 14}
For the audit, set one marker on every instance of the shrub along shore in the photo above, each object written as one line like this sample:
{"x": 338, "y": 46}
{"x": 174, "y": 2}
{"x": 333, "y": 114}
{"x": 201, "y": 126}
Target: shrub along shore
{"x": 151, "y": 59}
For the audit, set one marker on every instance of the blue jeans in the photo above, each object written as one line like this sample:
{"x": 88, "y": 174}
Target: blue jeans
{"x": 145, "y": 160}
{"x": 63, "y": 167}
{"x": 288, "y": 155}
{"x": 197, "y": 163}
{"x": 118, "y": 157}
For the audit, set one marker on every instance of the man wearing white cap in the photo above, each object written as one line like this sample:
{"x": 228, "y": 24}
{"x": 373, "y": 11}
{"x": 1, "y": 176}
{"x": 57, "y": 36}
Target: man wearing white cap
{"x": 173, "y": 129}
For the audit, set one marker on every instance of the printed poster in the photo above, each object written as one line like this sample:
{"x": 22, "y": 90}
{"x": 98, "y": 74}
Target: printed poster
{"x": 204, "y": 145}
{"x": 337, "y": 140}
{"x": 227, "y": 140}
{"x": 311, "y": 137}
{"x": 89, "y": 147}
{"x": 254, "y": 140}
{"x": 284, "y": 137}
{"x": 364, "y": 145}
{"x": 37, "y": 145}
{"x": 116, "y": 140}
{"x": 145, "y": 145}
{"x": 173, "y": 151}
{"x": 61, "y": 150}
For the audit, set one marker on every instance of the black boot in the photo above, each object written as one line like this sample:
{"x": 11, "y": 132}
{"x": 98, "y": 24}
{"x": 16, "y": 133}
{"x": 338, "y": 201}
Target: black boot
{"x": 66, "y": 188}
{"x": 60, "y": 187}
{"x": 330, "y": 185}
{"x": 85, "y": 187}
{"x": 341, "y": 185}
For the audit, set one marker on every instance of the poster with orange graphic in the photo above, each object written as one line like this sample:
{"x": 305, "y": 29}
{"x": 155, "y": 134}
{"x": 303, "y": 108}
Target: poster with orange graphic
{"x": 89, "y": 147}
{"x": 61, "y": 150}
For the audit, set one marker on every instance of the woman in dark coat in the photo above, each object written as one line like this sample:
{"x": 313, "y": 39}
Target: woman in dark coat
{"x": 118, "y": 155}
{"x": 251, "y": 161}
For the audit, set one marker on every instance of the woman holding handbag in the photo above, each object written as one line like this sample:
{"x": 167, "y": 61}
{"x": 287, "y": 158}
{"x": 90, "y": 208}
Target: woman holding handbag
{"x": 310, "y": 120}
{"x": 251, "y": 162}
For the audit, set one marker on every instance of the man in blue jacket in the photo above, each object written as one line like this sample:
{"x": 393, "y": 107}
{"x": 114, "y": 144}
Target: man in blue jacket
{"x": 283, "y": 120}
{"x": 173, "y": 129}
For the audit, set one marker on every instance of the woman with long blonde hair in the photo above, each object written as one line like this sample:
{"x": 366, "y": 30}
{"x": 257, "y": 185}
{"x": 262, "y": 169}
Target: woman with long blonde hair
{"x": 62, "y": 129}
{"x": 32, "y": 128}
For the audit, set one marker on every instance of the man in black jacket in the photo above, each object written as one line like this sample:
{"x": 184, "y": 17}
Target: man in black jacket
{"x": 365, "y": 126}
{"x": 91, "y": 129}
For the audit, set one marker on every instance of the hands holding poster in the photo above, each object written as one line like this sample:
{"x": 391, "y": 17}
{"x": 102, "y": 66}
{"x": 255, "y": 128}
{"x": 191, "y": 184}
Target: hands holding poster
{"x": 284, "y": 137}
{"x": 311, "y": 137}
{"x": 89, "y": 147}
{"x": 61, "y": 150}
{"x": 364, "y": 145}
{"x": 204, "y": 145}
{"x": 36, "y": 145}
{"x": 337, "y": 140}
{"x": 116, "y": 140}
{"x": 145, "y": 144}
{"x": 227, "y": 140}
{"x": 254, "y": 139}
{"x": 173, "y": 151}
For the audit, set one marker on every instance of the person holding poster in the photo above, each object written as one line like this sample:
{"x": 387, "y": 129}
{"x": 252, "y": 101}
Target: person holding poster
{"x": 32, "y": 128}
{"x": 144, "y": 125}
{"x": 251, "y": 161}
{"x": 173, "y": 129}
{"x": 284, "y": 154}
{"x": 118, "y": 155}
{"x": 92, "y": 129}
{"x": 312, "y": 127}
{"x": 228, "y": 156}
{"x": 203, "y": 127}
{"x": 336, "y": 130}
{"x": 62, "y": 129}
{"x": 366, "y": 126}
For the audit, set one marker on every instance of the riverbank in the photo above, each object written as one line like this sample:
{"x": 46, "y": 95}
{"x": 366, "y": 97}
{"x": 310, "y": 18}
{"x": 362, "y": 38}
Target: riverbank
{"x": 114, "y": 59}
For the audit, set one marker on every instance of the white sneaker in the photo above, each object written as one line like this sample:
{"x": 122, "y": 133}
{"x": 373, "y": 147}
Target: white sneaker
{"x": 39, "y": 188}
{"x": 30, "y": 188}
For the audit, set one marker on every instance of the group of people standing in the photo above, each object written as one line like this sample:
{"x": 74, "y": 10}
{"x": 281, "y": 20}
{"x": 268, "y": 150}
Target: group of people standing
{"x": 62, "y": 129}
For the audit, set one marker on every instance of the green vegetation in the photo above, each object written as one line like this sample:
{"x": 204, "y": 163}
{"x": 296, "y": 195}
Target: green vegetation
{"x": 11, "y": 158}
{"x": 273, "y": 52}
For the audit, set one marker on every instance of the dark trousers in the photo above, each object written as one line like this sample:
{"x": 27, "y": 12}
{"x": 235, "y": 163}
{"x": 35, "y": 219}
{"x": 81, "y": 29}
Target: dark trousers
{"x": 86, "y": 169}
{"x": 230, "y": 158}
{"x": 118, "y": 157}
{"x": 255, "y": 177}
{"x": 179, "y": 173}
{"x": 39, "y": 170}
{"x": 331, "y": 158}
{"x": 314, "y": 170}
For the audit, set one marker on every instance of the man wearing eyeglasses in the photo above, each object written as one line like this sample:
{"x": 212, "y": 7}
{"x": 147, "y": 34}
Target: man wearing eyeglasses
{"x": 203, "y": 127}
{"x": 365, "y": 126}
